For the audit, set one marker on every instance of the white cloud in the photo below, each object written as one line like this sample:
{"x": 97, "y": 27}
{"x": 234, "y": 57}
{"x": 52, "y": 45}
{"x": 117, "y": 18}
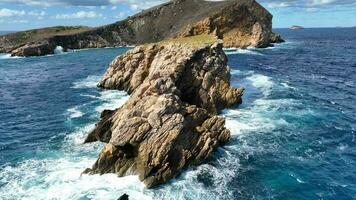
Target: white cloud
{"x": 78, "y": 15}
{"x": 37, "y": 13}
{"x": 20, "y": 21}
{"x": 311, "y": 9}
{"x": 134, "y": 6}
{"x": 320, "y": 2}
{"x": 121, "y": 15}
{"x": 138, "y": 4}
{"x": 277, "y": 5}
{"x": 4, "y": 12}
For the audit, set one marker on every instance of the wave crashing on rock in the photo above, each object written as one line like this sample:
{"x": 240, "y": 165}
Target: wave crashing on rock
{"x": 170, "y": 121}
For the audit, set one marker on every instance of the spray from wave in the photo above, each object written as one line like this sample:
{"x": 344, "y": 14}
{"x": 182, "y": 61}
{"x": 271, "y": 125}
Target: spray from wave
{"x": 58, "y": 174}
{"x": 7, "y": 56}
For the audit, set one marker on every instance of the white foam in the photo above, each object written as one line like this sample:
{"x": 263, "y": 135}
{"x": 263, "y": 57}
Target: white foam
{"x": 245, "y": 121}
{"x": 286, "y": 85}
{"x": 113, "y": 99}
{"x": 75, "y": 112}
{"x": 239, "y": 72}
{"x": 61, "y": 178}
{"x": 250, "y": 51}
{"x": 262, "y": 82}
{"x": 7, "y": 56}
{"x": 58, "y": 50}
{"x": 89, "y": 82}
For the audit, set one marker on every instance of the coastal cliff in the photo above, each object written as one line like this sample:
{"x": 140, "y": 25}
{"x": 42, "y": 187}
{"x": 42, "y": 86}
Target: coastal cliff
{"x": 241, "y": 23}
{"x": 170, "y": 121}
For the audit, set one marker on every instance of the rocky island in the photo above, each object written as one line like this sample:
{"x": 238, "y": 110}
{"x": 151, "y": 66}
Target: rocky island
{"x": 295, "y": 27}
{"x": 177, "y": 88}
{"x": 241, "y": 23}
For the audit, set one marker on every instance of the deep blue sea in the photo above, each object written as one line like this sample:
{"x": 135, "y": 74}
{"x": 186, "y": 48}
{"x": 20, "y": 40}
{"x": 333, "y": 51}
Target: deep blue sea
{"x": 294, "y": 136}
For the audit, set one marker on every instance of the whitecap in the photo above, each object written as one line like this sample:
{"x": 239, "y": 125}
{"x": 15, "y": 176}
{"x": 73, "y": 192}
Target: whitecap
{"x": 58, "y": 50}
{"x": 240, "y": 72}
{"x": 88, "y": 82}
{"x": 7, "y": 56}
{"x": 261, "y": 82}
{"x": 112, "y": 99}
{"x": 296, "y": 178}
{"x": 286, "y": 85}
{"x": 58, "y": 176}
{"x": 75, "y": 112}
{"x": 243, "y": 51}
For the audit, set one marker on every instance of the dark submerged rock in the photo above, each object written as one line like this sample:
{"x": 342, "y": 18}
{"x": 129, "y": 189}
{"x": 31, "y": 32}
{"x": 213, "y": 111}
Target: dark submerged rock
{"x": 124, "y": 197}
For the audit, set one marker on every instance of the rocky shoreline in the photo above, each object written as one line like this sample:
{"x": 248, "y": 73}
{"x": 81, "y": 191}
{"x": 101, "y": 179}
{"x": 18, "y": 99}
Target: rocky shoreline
{"x": 241, "y": 24}
{"x": 170, "y": 122}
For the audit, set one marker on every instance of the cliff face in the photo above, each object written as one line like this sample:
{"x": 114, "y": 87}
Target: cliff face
{"x": 36, "y": 39}
{"x": 241, "y": 23}
{"x": 176, "y": 89}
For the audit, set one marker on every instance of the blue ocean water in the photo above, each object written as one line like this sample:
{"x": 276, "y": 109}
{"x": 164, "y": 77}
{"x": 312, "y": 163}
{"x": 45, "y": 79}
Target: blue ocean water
{"x": 292, "y": 138}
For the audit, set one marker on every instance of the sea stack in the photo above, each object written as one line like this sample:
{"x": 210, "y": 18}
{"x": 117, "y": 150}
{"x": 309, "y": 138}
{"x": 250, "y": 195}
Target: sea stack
{"x": 240, "y": 23}
{"x": 177, "y": 88}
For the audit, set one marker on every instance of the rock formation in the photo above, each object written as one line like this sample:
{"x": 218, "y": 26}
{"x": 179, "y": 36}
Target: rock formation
{"x": 176, "y": 89}
{"x": 123, "y": 197}
{"x": 241, "y": 23}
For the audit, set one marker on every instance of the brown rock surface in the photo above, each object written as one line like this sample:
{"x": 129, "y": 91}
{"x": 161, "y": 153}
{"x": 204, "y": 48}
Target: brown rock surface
{"x": 169, "y": 122}
{"x": 241, "y": 23}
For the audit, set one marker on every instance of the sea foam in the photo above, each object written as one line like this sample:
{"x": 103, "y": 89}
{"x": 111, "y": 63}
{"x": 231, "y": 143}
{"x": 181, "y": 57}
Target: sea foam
{"x": 58, "y": 50}
{"x": 249, "y": 51}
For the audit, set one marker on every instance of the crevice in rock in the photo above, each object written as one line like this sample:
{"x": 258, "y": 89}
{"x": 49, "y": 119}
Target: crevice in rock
{"x": 170, "y": 121}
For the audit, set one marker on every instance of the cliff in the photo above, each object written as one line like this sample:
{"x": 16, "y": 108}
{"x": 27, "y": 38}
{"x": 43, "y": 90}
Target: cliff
{"x": 241, "y": 23}
{"x": 170, "y": 121}
{"x": 12, "y": 41}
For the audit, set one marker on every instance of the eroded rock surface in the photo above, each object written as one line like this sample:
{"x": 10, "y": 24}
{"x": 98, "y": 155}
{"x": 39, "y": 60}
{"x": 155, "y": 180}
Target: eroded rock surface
{"x": 241, "y": 23}
{"x": 176, "y": 89}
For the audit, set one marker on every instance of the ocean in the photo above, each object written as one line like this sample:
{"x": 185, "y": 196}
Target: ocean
{"x": 292, "y": 138}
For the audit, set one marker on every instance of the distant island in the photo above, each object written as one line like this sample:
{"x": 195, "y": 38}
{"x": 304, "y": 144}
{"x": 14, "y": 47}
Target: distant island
{"x": 296, "y": 27}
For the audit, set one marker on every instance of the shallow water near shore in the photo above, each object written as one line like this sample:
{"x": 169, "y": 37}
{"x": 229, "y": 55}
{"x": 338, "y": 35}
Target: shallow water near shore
{"x": 292, "y": 138}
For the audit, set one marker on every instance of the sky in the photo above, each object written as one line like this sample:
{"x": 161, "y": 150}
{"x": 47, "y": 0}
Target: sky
{"x": 16, "y": 15}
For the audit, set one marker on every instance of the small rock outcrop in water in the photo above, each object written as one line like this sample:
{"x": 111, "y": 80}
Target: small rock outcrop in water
{"x": 124, "y": 197}
{"x": 296, "y": 27}
{"x": 176, "y": 89}
{"x": 241, "y": 23}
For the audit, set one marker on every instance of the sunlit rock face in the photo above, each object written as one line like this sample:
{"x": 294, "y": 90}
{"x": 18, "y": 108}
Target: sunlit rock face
{"x": 240, "y": 23}
{"x": 176, "y": 89}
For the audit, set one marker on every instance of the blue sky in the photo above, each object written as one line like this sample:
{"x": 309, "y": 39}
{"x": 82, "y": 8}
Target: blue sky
{"x": 27, "y": 14}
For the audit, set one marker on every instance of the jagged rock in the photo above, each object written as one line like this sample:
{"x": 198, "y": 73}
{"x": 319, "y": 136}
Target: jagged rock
{"x": 241, "y": 23}
{"x": 276, "y": 38}
{"x": 176, "y": 89}
{"x": 33, "y": 49}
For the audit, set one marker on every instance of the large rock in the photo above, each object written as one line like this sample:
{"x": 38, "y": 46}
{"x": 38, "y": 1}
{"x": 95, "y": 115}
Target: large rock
{"x": 169, "y": 122}
{"x": 33, "y": 49}
{"x": 241, "y": 23}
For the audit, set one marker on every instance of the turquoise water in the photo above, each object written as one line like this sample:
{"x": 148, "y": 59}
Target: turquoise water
{"x": 293, "y": 136}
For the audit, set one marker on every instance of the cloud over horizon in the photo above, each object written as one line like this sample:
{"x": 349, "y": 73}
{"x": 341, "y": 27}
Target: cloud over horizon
{"x": 146, "y": 3}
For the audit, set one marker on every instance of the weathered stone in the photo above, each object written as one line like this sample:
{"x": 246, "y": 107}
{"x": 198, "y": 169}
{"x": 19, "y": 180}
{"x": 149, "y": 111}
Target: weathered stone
{"x": 33, "y": 49}
{"x": 170, "y": 120}
{"x": 241, "y": 23}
